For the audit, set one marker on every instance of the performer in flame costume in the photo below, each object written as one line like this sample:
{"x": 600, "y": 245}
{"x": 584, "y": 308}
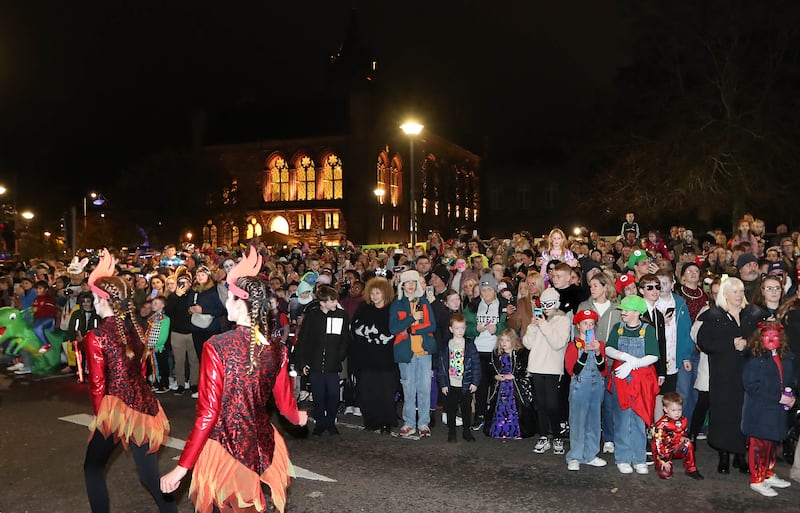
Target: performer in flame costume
{"x": 125, "y": 407}
{"x": 233, "y": 448}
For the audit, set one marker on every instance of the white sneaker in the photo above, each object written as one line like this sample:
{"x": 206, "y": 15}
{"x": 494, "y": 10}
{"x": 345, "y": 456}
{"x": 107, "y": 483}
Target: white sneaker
{"x": 764, "y": 489}
{"x": 348, "y": 410}
{"x": 542, "y": 445}
{"x": 777, "y": 482}
{"x": 701, "y": 436}
{"x": 625, "y": 468}
{"x": 22, "y": 371}
{"x": 17, "y": 366}
{"x": 356, "y": 411}
{"x": 641, "y": 468}
{"x": 597, "y": 462}
{"x": 558, "y": 446}
{"x": 608, "y": 447}
{"x": 195, "y": 395}
{"x": 573, "y": 465}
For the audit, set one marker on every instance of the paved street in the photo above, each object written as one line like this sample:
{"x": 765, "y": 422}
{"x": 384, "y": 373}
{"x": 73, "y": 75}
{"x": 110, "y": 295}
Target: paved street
{"x": 42, "y": 460}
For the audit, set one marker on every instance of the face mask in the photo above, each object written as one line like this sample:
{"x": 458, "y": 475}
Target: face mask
{"x": 771, "y": 339}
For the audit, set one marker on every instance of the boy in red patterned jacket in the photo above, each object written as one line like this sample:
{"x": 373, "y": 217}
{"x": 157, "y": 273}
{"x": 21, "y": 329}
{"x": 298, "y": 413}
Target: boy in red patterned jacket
{"x": 670, "y": 440}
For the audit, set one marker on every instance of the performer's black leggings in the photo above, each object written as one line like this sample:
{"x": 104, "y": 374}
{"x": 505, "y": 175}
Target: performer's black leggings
{"x": 94, "y": 470}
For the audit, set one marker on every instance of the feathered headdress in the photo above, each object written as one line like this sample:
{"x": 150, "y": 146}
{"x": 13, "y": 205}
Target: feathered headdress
{"x": 249, "y": 265}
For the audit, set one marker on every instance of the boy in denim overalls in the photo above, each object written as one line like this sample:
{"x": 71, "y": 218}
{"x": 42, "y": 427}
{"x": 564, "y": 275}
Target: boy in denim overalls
{"x": 633, "y": 347}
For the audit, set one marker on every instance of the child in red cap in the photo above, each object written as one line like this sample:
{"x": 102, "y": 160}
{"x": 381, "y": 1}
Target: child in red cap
{"x": 585, "y": 361}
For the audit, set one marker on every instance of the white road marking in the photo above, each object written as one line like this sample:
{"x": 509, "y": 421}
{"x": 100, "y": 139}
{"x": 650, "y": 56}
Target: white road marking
{"x": 84, "y": 419}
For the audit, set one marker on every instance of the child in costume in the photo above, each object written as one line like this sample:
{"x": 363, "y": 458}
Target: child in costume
{"x": 510, "y": 411}
{"x": 585, "y": 361}
{"x": 634, "y": 348}
{"x": 769, "y": 392}
{"x": 670, "y": 440}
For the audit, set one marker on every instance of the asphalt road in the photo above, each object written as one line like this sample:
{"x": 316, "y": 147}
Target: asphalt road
{"x": 42, "y": 457}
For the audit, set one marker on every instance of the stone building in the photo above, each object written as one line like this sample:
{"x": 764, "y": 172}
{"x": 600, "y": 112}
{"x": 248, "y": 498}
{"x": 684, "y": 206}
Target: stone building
{"x": 353, "y": 184}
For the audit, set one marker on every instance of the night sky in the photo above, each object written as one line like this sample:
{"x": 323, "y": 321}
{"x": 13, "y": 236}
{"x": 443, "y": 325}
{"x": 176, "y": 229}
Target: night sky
{"x": 87, "y": 87}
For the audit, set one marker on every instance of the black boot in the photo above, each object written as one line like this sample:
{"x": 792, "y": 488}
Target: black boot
{"x": 724, "y": 466}
{"x": 467, "y": 435}
{"x": 740, "y": 462}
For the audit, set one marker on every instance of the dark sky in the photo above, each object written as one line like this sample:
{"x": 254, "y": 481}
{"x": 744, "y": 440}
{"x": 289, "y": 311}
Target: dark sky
{"x": 88, "y": 87}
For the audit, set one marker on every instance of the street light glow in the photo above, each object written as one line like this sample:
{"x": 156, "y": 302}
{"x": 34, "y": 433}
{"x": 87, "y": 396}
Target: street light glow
{"x": 189, "y": 235}
{"x": 27, "y": 215}
{"x": 379, "y": 192}
{"x": 411, "y": 128}
{"x": 2, "y": 190}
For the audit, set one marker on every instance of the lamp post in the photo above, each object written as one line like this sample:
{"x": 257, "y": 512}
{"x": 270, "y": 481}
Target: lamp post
{"x": 412, "y": 129}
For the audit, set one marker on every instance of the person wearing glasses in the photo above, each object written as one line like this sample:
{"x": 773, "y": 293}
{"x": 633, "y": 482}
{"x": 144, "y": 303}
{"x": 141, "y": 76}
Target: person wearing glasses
{"x": 650, "y": 288}
{"x": 547, "y": 337}
{"x": 770, "y": 296}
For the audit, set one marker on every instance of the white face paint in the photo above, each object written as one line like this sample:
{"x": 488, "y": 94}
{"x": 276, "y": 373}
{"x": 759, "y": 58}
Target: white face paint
{"x": 227, "y": 265}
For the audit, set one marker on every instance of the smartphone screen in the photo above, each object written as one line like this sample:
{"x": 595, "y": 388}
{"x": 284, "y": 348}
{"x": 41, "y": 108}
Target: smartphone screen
{"x": 538, "y": 312}
{"x": 590, "y": 335}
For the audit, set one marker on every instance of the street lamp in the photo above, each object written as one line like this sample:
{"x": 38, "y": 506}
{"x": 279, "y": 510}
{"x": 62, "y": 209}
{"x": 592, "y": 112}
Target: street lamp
{"x": 412, "y": 129}
{"x": 2, "y": 190}
{"x": 27, "y": 215}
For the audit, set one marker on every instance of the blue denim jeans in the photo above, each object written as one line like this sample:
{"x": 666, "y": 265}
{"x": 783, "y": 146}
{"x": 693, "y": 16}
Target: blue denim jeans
{"x": 608, "y": 412}
{"x": 42, "y": 325}
{"x": 415, "y": 377}
{"x": 585, "y": 401}
{"x": 630, "y": 437}
{"x": 686, "y": 388}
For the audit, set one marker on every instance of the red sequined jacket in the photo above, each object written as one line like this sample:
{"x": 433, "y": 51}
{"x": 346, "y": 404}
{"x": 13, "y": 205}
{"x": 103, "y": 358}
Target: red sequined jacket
{"x": 231, "y": 408}
{"x": 111, "y": 372}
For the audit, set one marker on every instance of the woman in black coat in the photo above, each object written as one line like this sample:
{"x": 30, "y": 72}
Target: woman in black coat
{"x": 723, "y": 336}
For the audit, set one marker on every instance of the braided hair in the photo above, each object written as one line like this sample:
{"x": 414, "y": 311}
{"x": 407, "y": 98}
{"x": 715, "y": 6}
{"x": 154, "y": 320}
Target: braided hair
{"x": 124, "y": 310}
{"x": 261, "y": 317}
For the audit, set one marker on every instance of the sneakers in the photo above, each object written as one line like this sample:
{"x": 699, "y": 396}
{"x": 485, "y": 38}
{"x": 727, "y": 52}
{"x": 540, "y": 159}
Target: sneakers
{"x": 542, "y": 445}
{"x": 161, "y": 390}
{"x": 640, "y": 468}
{"x": 608, "y": 448}
{"x": 17, "y": 366}
{"x": 22, "y": 371}
{"x": 701, "y": 436}
{"x": 625, "y": 468}
{"x": 763, "y": 488}
{"x": 424, "y": 430}
{"x": 407, "y": 432}
{"x": 558, "y": 446}
{"x": 179, "y": 391}
{"x": 466, "y": 435}
{"x": 459, "y": 420}
{"x": 697, "y": 476}
{"x": 597, "y": 462}
{"x": 477, "y": 424}
{"x": 356, "y": 411}
{"x": 573, "y": 465}
{"x": 349, "y": 410}
{"x": 195, "y": 395}
{"x": 776, "y": 482}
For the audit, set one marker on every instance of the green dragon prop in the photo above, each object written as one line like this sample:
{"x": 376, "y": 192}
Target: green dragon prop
{"x": 16, "y": 330}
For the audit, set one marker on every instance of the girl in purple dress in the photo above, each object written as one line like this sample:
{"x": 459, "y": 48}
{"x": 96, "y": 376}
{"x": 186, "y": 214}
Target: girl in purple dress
{"x": 510, "y": 401}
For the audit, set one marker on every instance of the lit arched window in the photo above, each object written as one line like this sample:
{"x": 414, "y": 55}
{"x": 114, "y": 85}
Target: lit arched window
{"x": 230, "y": 233}
{"x": 253, "y": 228}
{"x": 382, "y": 185}
{"x": 332, "y": 177}
{"x": 306, "y": 179}
{"x": 279, "y": 224}
{"x": 210, "y": 233}
{"x": 278, "y": 180}
{"x": 396, "y": 187}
